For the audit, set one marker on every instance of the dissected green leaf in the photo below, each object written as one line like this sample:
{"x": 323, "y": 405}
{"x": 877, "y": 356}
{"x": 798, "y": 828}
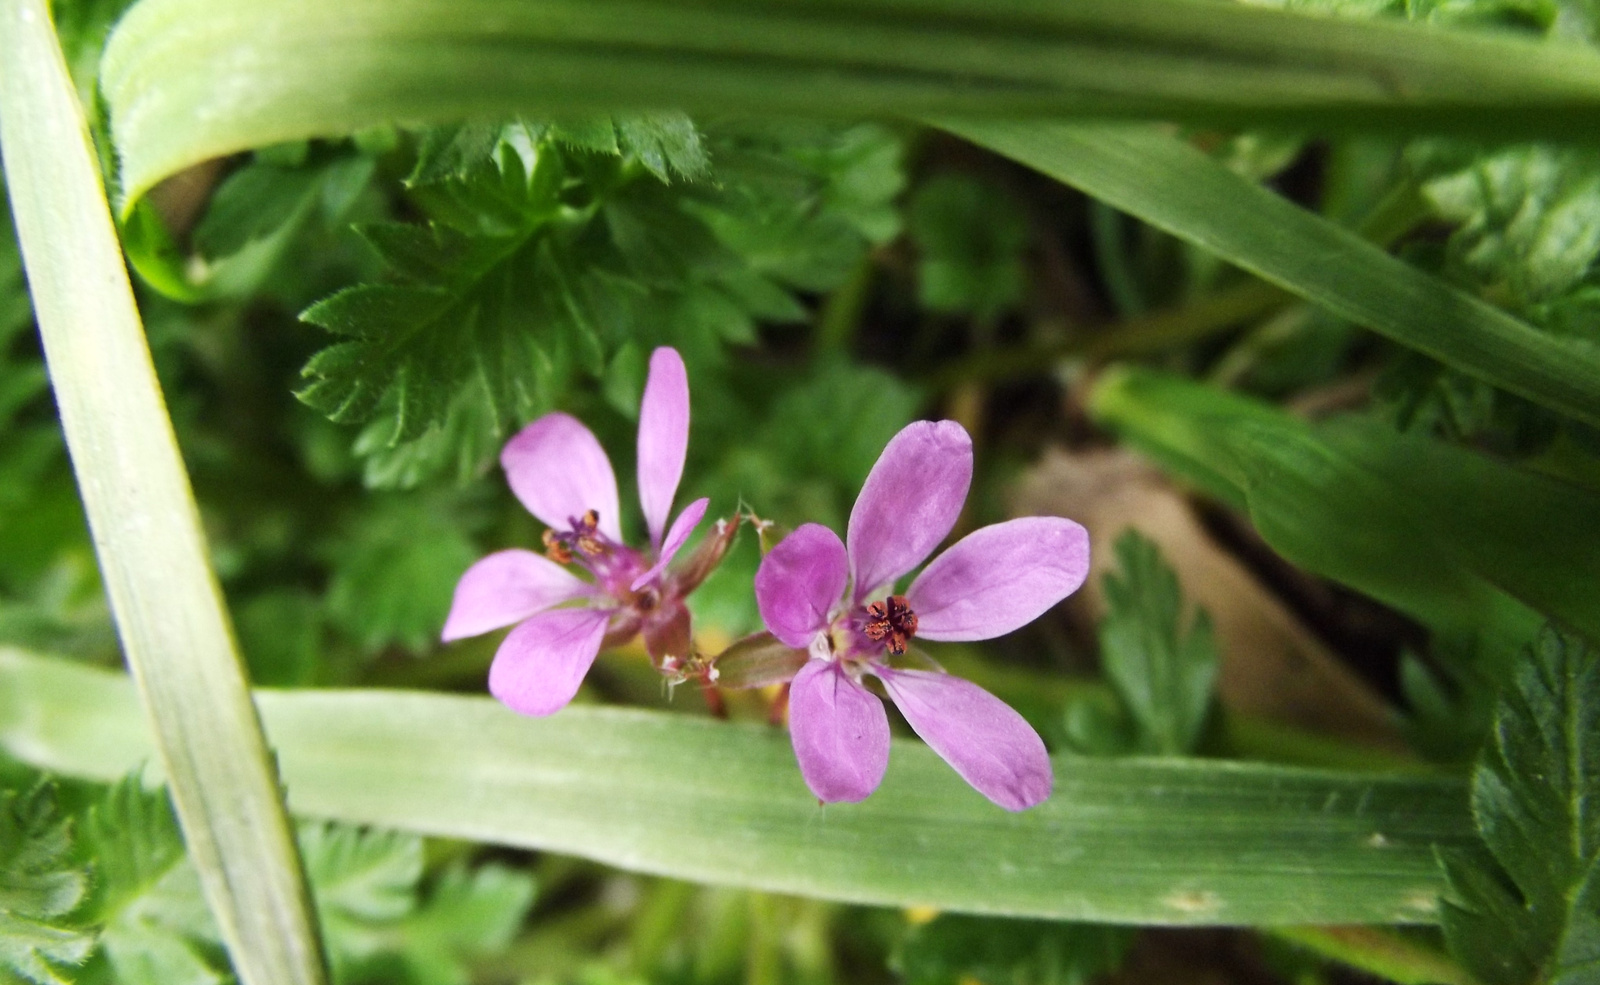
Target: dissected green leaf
{"x": 467, "y": 914}
{"x": 368, "y": 890}
{"x": 957, "y": 950}
{"x": 41, "y": 884}
{"x": 554, "y": 247}
{"x": 266, "y": 199}
{"x": 465, "y": 316}
{"x": 364, "y": 882}
{"x": 1529, "y": 910}
{"x": 667, "y": 144}
{"x": 395, "y": 569}
{"x": 156, "y": 927}
{"x": 970, "y": 236}
{"x": 1528, "y": 218}
{"x": 1164, "y": 675}
{"x": 800, "y": 203}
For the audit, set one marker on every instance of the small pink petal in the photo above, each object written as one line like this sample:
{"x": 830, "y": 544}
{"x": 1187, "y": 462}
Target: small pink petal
{"x": 558, "y": 469}
{"x": 910, "y": 501}
{"x": 988, "y": 743}
{"x": 538, "y": 668}
{"x": 507, "y": 587}
{"x": 840, "y": 733}
{"x": 663, "y": 437}
{"x": 999, "y": 578}
{"x": 682, "y": 527}
{"x": 799, "y": 582}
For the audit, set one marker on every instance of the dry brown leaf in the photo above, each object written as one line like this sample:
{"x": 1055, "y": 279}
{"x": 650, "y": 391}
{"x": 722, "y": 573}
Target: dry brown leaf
{"x": 1272, "y": 665}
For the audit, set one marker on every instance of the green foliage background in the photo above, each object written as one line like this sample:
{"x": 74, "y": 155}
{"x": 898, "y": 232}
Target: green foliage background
{"x": 1360, "y": 332}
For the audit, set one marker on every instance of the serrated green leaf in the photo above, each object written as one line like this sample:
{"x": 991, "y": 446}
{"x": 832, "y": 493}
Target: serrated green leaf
{"x": 1528, "y": 218}
{"x": 513, "y": 291}
{"x": 952, "y": 950}
{"x": 455, "y": 151}
{"x": 469, "y": 913}
{"x": 665, "y": 143}
{"x": 40, "y": 887}
{"x": 134, "y": 840}
{"x": 969, "y": 237}
{"x": 1164, "y": 676}
{"x": 363, "y": 882}
{"x": 251, "y": 203}
{"x": 361, "y": 876}
{"x": 156, "y": 925}
{"x": 395, "y": 570}
{"x": 1532, "y": 911}
{"x": 800, "y": 203}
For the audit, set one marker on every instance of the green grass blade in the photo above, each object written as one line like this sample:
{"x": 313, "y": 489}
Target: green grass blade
{"x": 1132, "y": 841}
{"x": 1172, "y": 186}
{"x": 1461, "y": 541}
{"x": 147, "y": 531}
{"x": 192, "y": 79}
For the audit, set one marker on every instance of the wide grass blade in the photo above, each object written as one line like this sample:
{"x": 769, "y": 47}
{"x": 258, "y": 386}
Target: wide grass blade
{"x": 1130, "y": 841}
{"x": 192, "y": 79}
{"x": 146, "y": 529}
{"x": 1463, "y": 542}
{"x": 1172, "y": 186}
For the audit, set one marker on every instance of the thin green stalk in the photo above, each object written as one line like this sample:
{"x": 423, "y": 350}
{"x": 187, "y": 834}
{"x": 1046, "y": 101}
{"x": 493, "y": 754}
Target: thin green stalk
{"x": 841, "y": 313}
{"x": 1141, "y": 335}
{"x": 142, "y": 514}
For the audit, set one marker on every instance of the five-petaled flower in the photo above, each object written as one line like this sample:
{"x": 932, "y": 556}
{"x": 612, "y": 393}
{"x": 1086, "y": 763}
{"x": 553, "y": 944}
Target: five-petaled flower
{"x": 838, "y": 604}
{"x": 558, "y": 470}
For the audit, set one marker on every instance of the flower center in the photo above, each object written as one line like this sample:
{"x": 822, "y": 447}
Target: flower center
{"x": 891, "y": 622}
{"x": 613, "y": 565}
{"x": 584, "y": 536}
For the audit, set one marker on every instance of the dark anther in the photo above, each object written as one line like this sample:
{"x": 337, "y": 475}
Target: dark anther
{"x": 554, "y": 549}
{"x": 891, "y": 622}
{"x": 584, "y": 534}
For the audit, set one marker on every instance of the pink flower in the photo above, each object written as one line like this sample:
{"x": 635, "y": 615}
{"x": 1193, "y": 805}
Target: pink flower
{"x": 562, "y": 475}
{"x": 816, "y": 595}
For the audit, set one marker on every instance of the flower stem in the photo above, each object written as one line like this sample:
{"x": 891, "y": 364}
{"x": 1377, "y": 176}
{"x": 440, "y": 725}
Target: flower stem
{"x": 1142, "y": 334}
{"x": 142, "y": 514}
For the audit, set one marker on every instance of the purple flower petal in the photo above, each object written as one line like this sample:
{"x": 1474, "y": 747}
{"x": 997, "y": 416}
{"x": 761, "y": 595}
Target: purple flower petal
{"x": 508, "y": 587}
{"x": 799, "y": 582}
{"x": 987, "y": 742}
{"x": 663, "y": 437}
{"x": 999, "y": 578}
{"x": 558, "y": 470}
{"x": 682, "y": 527}
{"x": 840, "y": 733}
{"x": 538, "y": 668}
{"x": 909, "y": 503}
